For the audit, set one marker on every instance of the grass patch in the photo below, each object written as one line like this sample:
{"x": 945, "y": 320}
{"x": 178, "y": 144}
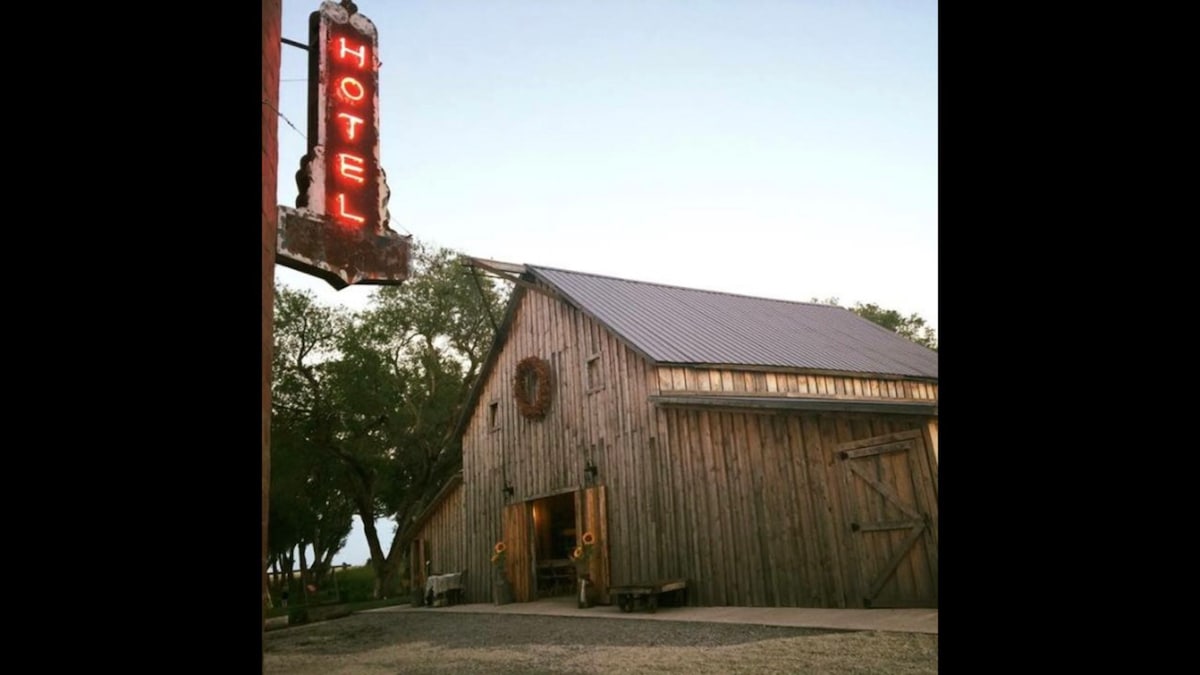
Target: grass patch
{"x": 376, "y": 604}
{"x": 297, "y": 616}
{"x": 349, "y": 593}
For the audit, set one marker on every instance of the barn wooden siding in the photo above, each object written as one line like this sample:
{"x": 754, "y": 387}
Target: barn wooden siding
{"x": 751, "y": 507}
{"x": 607, "y": 426}
{"x": 443, "y": 535}
{"x": 677, "y": 379}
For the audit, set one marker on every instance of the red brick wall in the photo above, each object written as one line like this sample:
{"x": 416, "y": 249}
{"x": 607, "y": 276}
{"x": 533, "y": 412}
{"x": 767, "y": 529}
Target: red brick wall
{"x": 272, "y": 13}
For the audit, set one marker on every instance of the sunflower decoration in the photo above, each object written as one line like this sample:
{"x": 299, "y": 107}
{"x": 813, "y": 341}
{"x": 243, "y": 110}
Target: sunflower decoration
{"x": 499, "y": 553}
{"x": 583, "y": 552}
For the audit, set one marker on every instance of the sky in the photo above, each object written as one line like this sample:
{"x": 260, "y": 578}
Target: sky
{"x": 775, "y": 148}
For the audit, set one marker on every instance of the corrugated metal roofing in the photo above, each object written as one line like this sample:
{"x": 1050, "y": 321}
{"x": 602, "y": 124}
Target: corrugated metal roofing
{"x": 681, "y": 325}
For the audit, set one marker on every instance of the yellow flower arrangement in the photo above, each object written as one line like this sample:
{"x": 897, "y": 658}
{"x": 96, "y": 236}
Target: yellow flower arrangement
{"x": 499, "y": 553}
{"x": 583, "y": 552}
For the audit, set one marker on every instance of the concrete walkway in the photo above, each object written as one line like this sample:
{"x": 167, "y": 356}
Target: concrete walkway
{"x": 896, "y": 620}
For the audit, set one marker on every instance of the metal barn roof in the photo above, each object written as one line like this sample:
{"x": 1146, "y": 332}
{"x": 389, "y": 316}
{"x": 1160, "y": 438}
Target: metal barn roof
{"x": 689, "y": 326}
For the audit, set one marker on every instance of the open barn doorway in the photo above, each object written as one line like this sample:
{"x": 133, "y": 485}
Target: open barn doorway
{"x": 554, "y": 536}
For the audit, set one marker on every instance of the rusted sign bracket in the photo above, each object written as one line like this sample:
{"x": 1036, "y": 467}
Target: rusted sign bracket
{"x": 316, "y": 245}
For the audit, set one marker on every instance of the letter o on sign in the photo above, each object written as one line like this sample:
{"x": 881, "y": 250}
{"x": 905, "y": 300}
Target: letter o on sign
{"x": 348, "y": 83}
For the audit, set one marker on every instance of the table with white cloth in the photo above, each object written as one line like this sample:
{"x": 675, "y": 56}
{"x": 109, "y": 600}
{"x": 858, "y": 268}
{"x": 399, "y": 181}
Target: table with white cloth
{"x": 442, "y": 589}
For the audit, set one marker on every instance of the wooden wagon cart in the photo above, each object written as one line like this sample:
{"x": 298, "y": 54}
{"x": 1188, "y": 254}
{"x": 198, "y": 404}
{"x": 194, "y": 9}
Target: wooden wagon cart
{"x": 673, "y": 591}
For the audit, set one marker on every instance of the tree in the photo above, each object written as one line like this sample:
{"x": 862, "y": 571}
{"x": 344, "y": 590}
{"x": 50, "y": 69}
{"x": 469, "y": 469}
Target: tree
{"x": 380, "y": 391}
{"x": 309, "y": 507}
{"x": 420, "y": 347}
{"x": 912, "y": 327}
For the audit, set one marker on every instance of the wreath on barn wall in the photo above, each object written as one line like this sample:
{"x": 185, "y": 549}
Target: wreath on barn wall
{"x": 532, "y": 405}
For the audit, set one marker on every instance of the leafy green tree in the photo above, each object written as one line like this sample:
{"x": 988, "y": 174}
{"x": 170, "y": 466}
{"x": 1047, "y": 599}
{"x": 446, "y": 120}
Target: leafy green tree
{"x": 309, "y": 506}
{"x": 283, "y": 518}
{"x": 408, "y": 366}
{"x": 912, "y": 327}
{"x": 379, "y": 391}
{"x": 321, "y": 510}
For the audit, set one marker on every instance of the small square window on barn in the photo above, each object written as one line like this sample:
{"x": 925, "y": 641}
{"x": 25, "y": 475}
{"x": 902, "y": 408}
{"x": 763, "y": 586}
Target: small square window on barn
{"x": 493, "y": 416}
{"x": 595, "y": 375}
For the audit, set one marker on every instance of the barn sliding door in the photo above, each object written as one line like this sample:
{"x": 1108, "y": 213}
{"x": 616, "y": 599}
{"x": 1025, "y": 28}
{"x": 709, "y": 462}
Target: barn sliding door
{"x": 889, "y": 492}
{"x": 518, "y": 541}
{"x": 591, "y": 515}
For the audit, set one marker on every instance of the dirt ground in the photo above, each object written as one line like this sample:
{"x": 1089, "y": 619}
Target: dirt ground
{"x": 414, "y": 642}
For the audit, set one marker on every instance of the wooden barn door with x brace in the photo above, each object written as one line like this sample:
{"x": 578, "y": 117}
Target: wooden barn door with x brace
{"x": 890, "y": 498}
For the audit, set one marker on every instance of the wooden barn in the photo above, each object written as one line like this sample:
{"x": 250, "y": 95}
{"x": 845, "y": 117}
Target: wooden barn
{"x": 772, "y": 453}
{"x": 437, "y": 545}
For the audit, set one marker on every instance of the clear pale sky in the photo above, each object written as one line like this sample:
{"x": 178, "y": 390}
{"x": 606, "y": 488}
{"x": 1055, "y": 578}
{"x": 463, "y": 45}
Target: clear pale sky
{"x": 776, "y": 148}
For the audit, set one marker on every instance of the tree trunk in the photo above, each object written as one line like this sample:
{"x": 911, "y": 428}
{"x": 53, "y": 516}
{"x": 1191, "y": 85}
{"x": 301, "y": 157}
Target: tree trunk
{"x": 396, "y": 555}
{"x": 379, "y": 563}
{"x": 386, "y": 581}
{"x": 304, "y": 570}
{"x": 287, "y": 565}
{"x": 323, "y": 564}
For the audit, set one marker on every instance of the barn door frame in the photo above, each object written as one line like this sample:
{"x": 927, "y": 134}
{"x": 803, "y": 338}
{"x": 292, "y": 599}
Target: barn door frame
{"x": 417, "y": 555}
{"x": 591, "y": 515}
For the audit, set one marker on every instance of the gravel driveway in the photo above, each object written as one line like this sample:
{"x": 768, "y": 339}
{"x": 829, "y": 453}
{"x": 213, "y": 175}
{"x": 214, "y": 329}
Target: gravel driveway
{"x": 418, "y": 642}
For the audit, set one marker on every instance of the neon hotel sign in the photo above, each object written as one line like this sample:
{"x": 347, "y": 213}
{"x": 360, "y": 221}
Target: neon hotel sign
{"x": 345, "y": 181}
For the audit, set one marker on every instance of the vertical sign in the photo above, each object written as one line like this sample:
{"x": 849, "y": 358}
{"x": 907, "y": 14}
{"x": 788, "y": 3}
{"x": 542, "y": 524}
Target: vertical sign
{"x": 340, "y": 230}
{"x": 345, "y": 95}
{"x": 352, "y": 109}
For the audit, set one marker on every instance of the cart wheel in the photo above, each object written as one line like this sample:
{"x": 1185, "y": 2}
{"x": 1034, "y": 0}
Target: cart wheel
{"x": 653, "y": 602}
{"x": 626, "y": 603}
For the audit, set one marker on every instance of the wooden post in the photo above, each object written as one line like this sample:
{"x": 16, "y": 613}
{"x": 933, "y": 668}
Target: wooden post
{"x": 272, "y": 18}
